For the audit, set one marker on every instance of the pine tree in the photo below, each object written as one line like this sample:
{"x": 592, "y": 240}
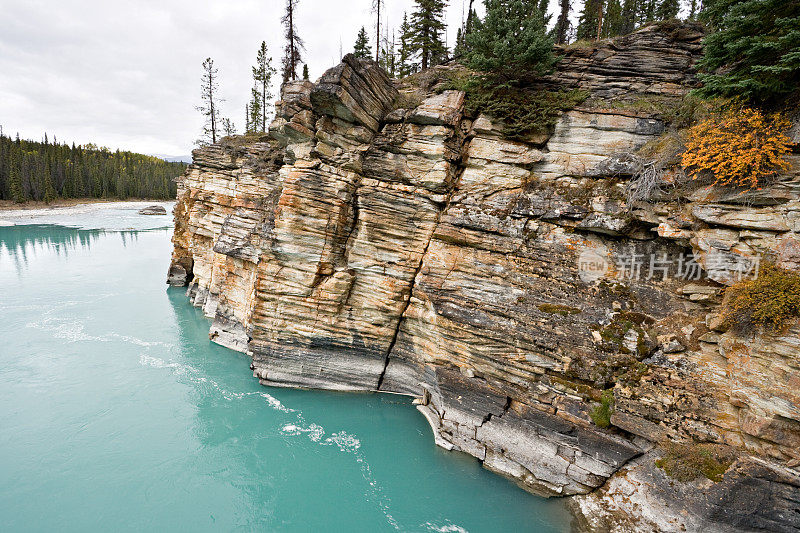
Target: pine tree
{"x": 15, "y": 182}
{"x": 647, "y": 11}
{"x": 255, "y": 113}
{"x": 562, "y": 23}
{"x": 294, "y": 44}
{"x": 210, "y": 106}
{"x": 511, "y": 42}
{"x": 754, "y": 52}
{"x": 361, "y": 48}
{"x": 305, "y": 71}
{"x": 228, "y": 127}
{"x": 614, "y": 23}
{"x": 405, "y": 64}
{"x": 630, "y": 9}
{"x": 262, "y": 79}
{"x": 590, "y": 20}
{"x": 427, "y": 28}
{"x": 667, "y": 9}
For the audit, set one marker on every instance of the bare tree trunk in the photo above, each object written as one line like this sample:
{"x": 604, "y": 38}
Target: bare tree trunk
{"x": 378, "y": 31}
{"x": 599, "y": 19}
{"x": 211, "y": 107}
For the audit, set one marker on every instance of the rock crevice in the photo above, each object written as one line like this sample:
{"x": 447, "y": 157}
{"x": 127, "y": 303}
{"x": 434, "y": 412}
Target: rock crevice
{"x": 377, "y": 239}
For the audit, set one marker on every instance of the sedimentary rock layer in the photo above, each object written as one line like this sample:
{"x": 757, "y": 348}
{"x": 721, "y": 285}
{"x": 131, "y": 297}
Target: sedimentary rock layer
{"x": 379, "y": 241}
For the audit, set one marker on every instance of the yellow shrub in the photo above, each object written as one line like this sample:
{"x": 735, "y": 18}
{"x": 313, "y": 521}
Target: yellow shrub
{"x": 767, "y": 301}
{"x": 740, "y": 147}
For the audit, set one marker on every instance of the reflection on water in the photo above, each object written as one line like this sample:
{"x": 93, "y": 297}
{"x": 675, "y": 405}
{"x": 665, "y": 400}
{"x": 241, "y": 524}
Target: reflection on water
{"x": 18, "y": 244}
{"x": 119, "y": 414}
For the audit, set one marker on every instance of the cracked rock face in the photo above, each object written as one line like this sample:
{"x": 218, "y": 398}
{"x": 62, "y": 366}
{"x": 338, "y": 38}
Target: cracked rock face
{"x": 362, "y": 245}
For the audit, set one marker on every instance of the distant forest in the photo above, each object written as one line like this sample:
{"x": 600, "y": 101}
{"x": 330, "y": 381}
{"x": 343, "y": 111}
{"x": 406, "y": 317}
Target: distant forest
{"x": 46, "y": 171}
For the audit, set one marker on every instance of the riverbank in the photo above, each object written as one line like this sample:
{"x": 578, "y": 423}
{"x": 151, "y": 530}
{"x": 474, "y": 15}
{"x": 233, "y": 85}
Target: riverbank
{"x": 114, "y": 215}
{"x": 8, "y": 205}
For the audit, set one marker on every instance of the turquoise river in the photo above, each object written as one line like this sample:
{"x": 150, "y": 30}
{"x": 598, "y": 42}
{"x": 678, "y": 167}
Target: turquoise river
{"x": 118, "y": 414}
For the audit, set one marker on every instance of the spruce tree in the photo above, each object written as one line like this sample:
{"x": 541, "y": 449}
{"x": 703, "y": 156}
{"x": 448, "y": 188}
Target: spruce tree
{"x": 427, "y": 27}
{"x": 613, "y": 23}
{"x": 630, "y": 10}
{"x": 15, "y": 182}
{"x": 255, "y": 113}
{"x": 562, "y": 22}
{"x": 590, "y": 20}
{"x": 511, "y": 44}
{"x": 228, "y": 127}
{"x": 210, "y": 101}
{"x": 647, "y": 11}
{"x": 361, "y": 48}
{"x": 262, "y": 78}
{"x": 754, "y": 52}
{"x": 405, "y": 61}
{"x": 305, "y": 71}
{"x": 292, "y": 55}
{"x": 667, "y": 9}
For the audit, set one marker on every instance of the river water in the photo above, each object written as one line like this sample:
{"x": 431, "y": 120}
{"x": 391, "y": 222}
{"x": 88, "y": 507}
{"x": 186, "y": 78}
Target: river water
{"x": 118, "y": 414}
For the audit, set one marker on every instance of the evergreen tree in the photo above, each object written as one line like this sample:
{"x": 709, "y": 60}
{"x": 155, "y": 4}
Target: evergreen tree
{"x": 562, "y": 22}
{"x": 292, "y": 56}
{"x": 590, "y": 20}
{"x": 511, "y": 43}
{"x": 262, "y": 78}
{"x": 15, "y": 182}
{"x": 210, "y": 102}
{"x": 361, "y": 48}
{"x": 667, "y": 9}
{"x": 613, "y": 23}
{"x": 405, "y": 63}
{"x": 755, "y": 50}
{"x": 254, "y": 111}
{"x": 228, "y": 127}
{"x": 45, "y": 171}
{"x": 647, "y": 11}
{"x": 630, "y": 10}
{"x": 427, "y": 27}
{"x": 305, "y": 71}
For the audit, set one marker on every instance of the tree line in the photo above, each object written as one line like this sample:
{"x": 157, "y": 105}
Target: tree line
{"x": 45, "y": 171}
{"x": 753, "y": 48}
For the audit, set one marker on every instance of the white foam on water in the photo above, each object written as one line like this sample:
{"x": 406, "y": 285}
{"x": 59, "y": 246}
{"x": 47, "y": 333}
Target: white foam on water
{"x": 342, "y": 440}
{"x": 447, "y": 528}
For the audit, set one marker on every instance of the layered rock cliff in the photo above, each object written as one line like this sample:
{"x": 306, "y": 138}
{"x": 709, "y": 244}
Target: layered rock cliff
{"x": 379, "y": 239}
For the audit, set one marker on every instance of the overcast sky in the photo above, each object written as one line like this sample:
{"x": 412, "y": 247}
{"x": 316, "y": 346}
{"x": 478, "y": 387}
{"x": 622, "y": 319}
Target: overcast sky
{"x": 127, "y": 74}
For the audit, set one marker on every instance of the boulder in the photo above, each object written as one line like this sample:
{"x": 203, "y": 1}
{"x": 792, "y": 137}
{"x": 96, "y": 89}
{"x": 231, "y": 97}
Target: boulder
{"x": 153, "y": 210}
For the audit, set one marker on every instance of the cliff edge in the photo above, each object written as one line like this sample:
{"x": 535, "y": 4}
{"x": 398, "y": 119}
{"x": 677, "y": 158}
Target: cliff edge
{"x": 382, "y": 239}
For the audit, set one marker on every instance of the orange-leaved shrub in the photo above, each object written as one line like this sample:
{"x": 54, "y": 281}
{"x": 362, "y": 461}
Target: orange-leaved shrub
{"x": 767, "y": 301}
{"x": 740, "y": 147}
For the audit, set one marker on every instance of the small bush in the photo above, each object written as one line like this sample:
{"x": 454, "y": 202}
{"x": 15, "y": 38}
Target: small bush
{"x": 687, "y": 462}
{"x": 767, "y": 301}
{"x": 523, "y": 111}
{"x": 601, "y": 414}
{"x": 740, "y": 147}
